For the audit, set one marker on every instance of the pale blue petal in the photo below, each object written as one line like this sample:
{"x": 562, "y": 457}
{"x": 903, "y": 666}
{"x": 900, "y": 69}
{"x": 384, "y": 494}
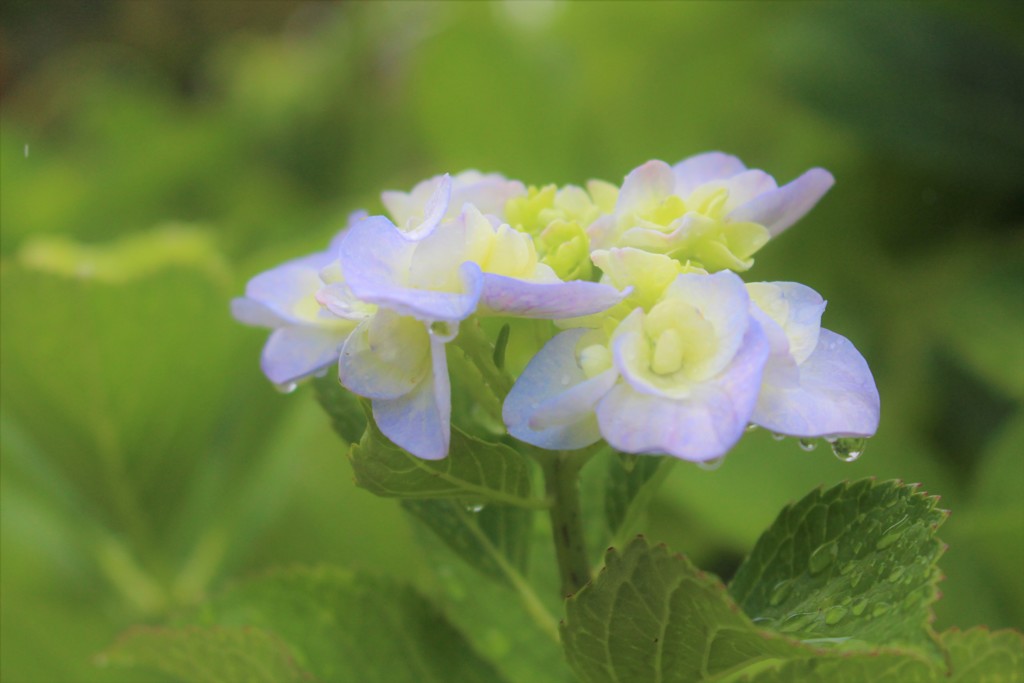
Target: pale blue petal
{"x": 700, "y": 427}
{"x": 832, "y": 394}
{"x": 431, "y": 306}
{"x": 287, "y": 291}
{"x": 254, "y": 313}
{"x": 385, "y": 357}
{"x": 292, "y": 353}
{"x": 376, "y": 260}
{"x": 373, "y": 252}
{"x": 553, "y": 382}
{"x": 702, "y": 168}
{"x": 549, "y": 301}
{"x": 355, "y": 217}
{"x": 781, "y": 208}
{"x": 420, "y": 421}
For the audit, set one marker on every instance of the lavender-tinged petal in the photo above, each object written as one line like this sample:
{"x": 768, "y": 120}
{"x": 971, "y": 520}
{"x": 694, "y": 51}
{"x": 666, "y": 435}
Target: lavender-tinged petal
{"x": 554, "y": 379}
{"x": 701, "y": 427}
{"x": 353, "y": 218}
{"x": 431, "y": 306}
{"x": 832, "y": 394}
{"x": 292, "y": 353}
{"x": 702, "y": 168}
{"x": 746, "y": 186}
{"x": 420, "y": 421}
{"x": 549, "y": 301}
{"x": 781, "y": 208}
{"x": 433, "y": 212}
{"x": 376, "y": 261}
{"x": 645, "y": 185}
{"x": 254, "y": 313}
{"x": 374, "y": 253}
{"x": 287, "y": 290}
{"x": 385, "y": 357}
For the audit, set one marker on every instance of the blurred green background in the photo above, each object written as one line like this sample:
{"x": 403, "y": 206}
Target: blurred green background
{"x": 154, "y": 156}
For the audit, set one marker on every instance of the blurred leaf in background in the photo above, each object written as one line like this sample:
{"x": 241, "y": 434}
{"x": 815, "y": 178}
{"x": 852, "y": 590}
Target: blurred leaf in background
{"x": 156, "y": 155}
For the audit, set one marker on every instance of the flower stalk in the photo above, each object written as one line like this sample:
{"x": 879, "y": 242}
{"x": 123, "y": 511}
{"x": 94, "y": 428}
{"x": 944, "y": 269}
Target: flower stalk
{"x": 561, "y": 483}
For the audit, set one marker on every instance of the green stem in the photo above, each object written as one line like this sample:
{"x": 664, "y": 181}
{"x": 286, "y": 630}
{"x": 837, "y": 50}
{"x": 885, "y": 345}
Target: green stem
{"x": 473, "y": 342}
{"x": 561, "y": 483}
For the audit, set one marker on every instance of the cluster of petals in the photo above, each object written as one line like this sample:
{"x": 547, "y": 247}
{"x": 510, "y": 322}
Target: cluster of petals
{"x": 662, "y": 348}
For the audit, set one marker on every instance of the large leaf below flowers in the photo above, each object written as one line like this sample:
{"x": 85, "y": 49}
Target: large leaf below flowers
{"x": 853, "y": 564}
{"x": 652, "y": 616}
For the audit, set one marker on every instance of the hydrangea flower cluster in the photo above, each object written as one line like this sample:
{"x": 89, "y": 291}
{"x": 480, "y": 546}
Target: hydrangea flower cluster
{"x": 656, "y": 344}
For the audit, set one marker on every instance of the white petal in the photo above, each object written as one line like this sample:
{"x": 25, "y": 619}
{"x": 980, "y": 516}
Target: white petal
{"x": 645, "y": 186}
{"x": 433, "y": 212}
{"x": 701, "y": 427}
{"x": 833, "y": 394}
{"x": 794, "y": 307}
{"x": 781, "y": 208}
{"x": 554, "y": 381}
{"x": 294, "y": 352}
{"x": 385, "y": 357}
{"x": 420, "y": 421}
{"x": 697, "y": 170}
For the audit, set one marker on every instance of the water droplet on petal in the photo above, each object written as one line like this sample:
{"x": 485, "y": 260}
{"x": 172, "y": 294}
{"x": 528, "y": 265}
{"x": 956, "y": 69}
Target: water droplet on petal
{"x": 711, "y": 465}
{"x": 848, "y": 449}
{"x": 834, "y": 615}
{"x": 286, "y": 388}
{"x": 751, "y": 427}
{"x": 808, "y": 444}
{"x": 778, "y": 437}
{"x": 564, "y": 380}
{"x": 822, "y": 557}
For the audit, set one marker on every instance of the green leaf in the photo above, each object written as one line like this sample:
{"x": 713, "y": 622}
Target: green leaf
{"x": 474, "y": 470}
{"x": 343, "y": 627}
{"x": 508, "y": 622}
{"x": 652, "y": 616}
{"x": 631, "y": 482}
{"x": 210, "y": 654}
{"x": 860, "y": 668}
{"x": 975, "y": 656}
{"x": 982, "y": 656}
{"x": 855, "y": 562}
{"x": 347, "y": 414}
{"x": 494, "y": 539}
